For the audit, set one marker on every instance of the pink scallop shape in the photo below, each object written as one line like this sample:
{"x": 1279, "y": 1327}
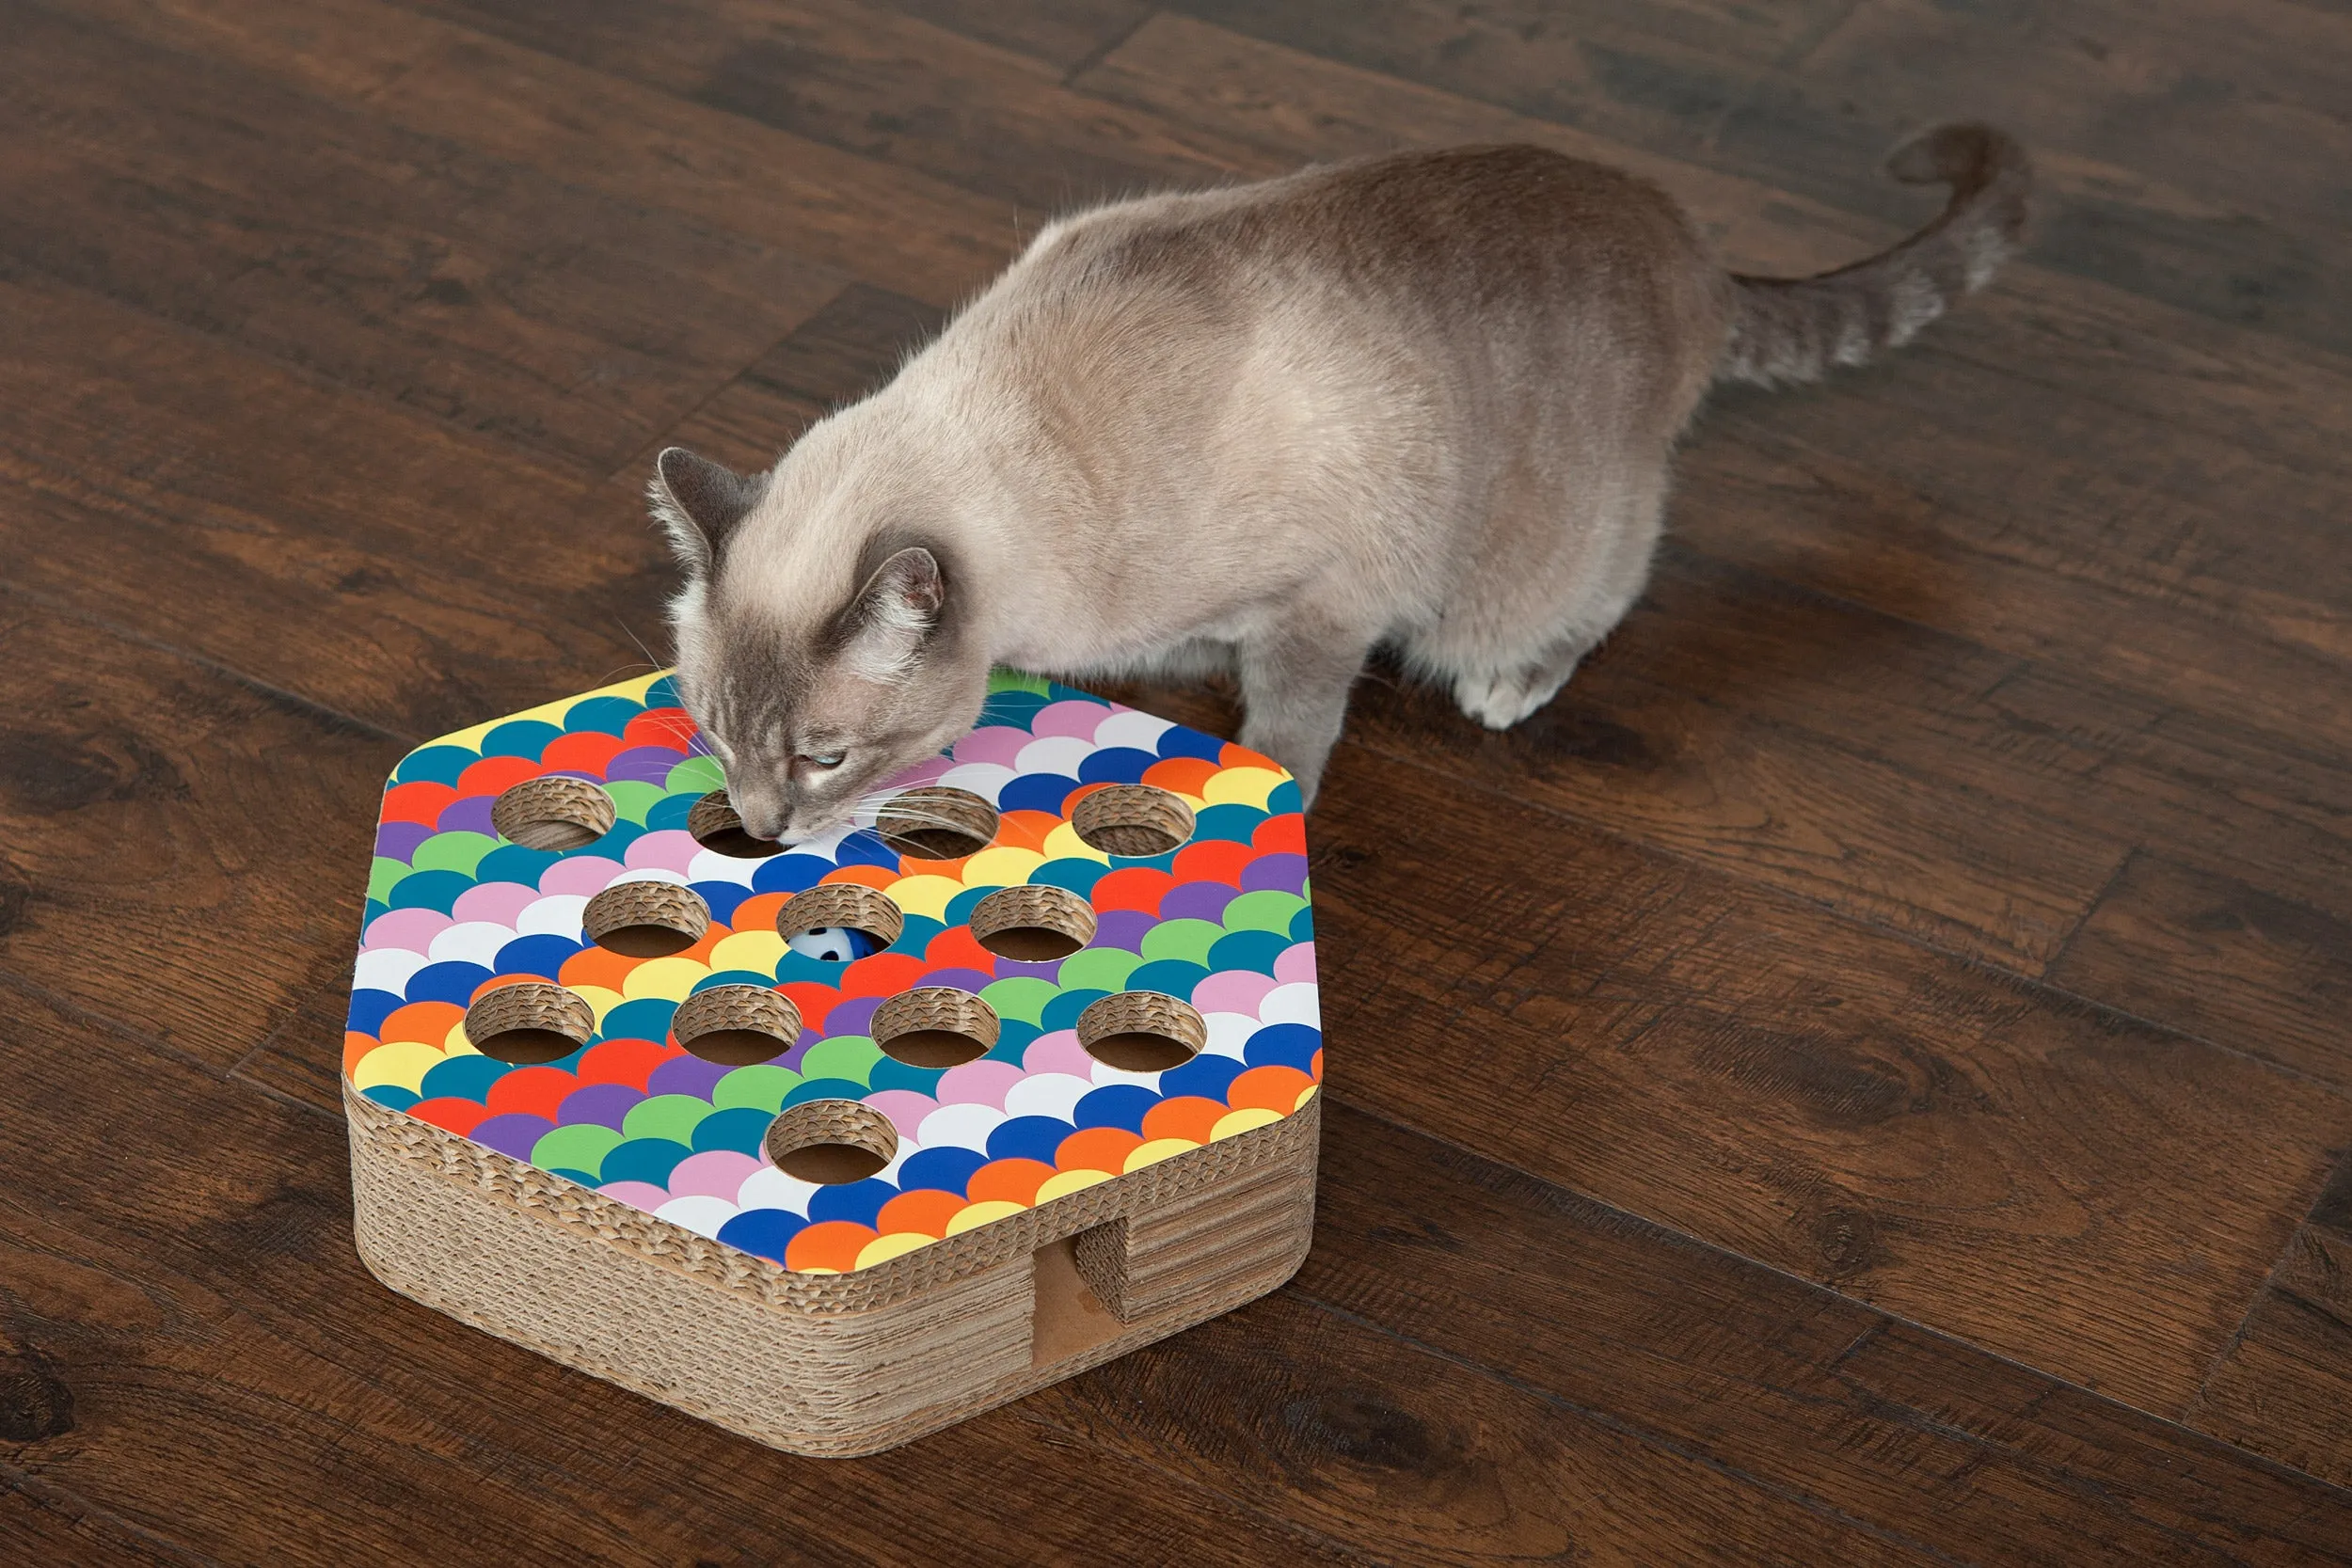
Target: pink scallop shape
{"x": 499, "y": 903}
{"x": 1296, "y": 965}
{"x": 982, "y": 1083}
{"x": 637, "y": 1194}
{"x": 587, "y": 875}
{"x": 1072, "y": 717}
{"x": 1058, "y": 1052}
{"x": 408, "y": 930}
{"x": 905, "y": 1108}
{"x": 669, "y": 849}
{"x": 925, "y": 771}
{"x": 997, "y": 743}
{"x": 714, "y": 1173}
{"x": 1232, "y": 990}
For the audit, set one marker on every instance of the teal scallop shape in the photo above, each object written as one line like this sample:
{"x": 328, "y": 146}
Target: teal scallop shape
{"x": 512, "y": 862}
{"x": 1230, "y": 821}
{"x": 429, "y": 890}
{"x": 1063, "y": 1012}
{"x": 743, "y": 1130}
{"x": 1303, "y": 925}
{"x": 647, "y": 1018}
{"x": 891, "y": 1073}
{"x": 462, "y": 1078}
{"x": 1170, "y": 976}
{"x": 520, "y": 737}
{"x": 647, "y": 1160}
{"x": 606, "y": 715}
{"x": 435, "y": 765}
{"x": 1078, "y": 876}
{"x": 1285, "y": 799}
{"x": 741, "y": 978}
{"x": 1252, "y": 950}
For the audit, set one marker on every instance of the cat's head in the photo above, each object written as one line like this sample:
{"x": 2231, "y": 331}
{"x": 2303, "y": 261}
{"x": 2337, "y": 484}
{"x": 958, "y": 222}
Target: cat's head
{"x": 824, "y": 642}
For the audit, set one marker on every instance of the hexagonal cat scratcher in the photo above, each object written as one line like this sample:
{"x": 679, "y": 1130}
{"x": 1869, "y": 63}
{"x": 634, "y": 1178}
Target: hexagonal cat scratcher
{"x": 838, "y": 1144}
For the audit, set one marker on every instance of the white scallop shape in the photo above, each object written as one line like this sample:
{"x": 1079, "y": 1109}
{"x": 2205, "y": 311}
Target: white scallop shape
{"x": 651, "y": 874}
{"x": 960, "y": 1126}
{"x": 712, "y": 867}
{"x": 907, "y": 1146}
{"x": 1229, "y": 1034}
{"x": 475, "y": 942}
{"x": 1047, "y": 1094}
{"x": 387, "y": 969}
{"x": 702, "y": 1213}
{"x": 984, "y": 779}
{"x": 556, "y": 915}
{"x": 770, "y": 1188}
{"x": 1106, "y": 1074}
{"x": 1055, "y": 753}
{"x": 1293, "y": 1003}
{"x": 1142, "y": 731}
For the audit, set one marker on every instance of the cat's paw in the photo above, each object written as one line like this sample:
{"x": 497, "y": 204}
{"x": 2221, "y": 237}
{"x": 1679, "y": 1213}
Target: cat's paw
{"x": 1500, "y": 702}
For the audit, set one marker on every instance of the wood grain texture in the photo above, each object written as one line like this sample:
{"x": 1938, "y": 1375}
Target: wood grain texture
{"x": 1878, "y": 1035}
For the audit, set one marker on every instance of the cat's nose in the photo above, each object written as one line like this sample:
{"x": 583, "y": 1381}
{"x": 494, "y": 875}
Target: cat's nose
{"x": 761, "y": 821}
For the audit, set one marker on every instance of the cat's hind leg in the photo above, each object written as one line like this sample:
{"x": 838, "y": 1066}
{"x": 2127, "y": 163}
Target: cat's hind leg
{"x": 1500, "y": 699}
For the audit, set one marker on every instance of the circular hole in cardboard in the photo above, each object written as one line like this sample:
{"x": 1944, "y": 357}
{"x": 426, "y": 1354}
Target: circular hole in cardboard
{"x": 1034, "y": 923}
{"x": 1142, "y": 1031}
{"x": 553, "y": 813}
{"x": 841, "y": 906}
{"x": 646, "y": 919}
{"x": 935, "y": 1026}
{"x": 832, "y": 1142}
{"x": 937, "y": 823}
{"x": 530, "y": 1023}
{"x": 715, "y": 826}
{"x": 1133, "y": 820}
{"x": 736, "y": 1025}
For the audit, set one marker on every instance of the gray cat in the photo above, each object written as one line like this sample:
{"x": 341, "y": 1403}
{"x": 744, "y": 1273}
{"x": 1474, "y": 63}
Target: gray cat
{"x": 1426, "y": 400}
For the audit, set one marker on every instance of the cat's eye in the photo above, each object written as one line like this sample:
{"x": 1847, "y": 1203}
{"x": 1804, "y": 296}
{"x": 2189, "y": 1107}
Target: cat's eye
{"x": 829, "y": 759}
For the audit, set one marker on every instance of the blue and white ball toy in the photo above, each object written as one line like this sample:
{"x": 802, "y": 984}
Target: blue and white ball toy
{"x": 834, "y": 945}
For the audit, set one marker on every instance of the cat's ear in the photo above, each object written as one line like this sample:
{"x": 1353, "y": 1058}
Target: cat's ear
{"x": 894, "y": 614}
{"x": 698, "y": 503}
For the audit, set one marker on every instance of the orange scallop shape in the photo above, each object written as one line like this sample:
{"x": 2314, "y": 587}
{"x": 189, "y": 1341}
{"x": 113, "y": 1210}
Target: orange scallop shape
{"x": 1189, "y": 1117}
{"x": 758, "y": 913}
{"x": 924, "y": 1211}
{"x": 1235, "y": 755}
{"x": 1025, "y": 829}
{"x": 879, "y": 877}
{"x": 356, "y": 1045}
{"x": 1183, "y": 775}
{"x": 828, "y": 1244}
{"x": 1268, "y": 1088}
{"x": 1007, "y": 1181}
{"x": 596, "y": 966}
{"x": 424, "y": 1022}
{"x": 1102, "y": 1149}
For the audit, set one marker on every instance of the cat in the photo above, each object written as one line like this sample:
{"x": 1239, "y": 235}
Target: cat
{"x": 1426, "y": 400}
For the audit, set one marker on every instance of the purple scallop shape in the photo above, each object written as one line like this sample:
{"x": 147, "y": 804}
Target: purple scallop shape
{"x": 513, "y": 1134}
{"x": 1197, "y": 901}
{"x": 469, "y": 815}
{"x": 959, "y": 979}
{"x": 643, "y": 764}
{"x": 604, "y": 1104}
{"x": 1012, "y": 969}
{"x": 1124, "y": 928}
{"x": 1275, "y": 874}
{"x": 398, "y": 841}
{"x": 688, "y": 1074}
{"x": 851, "y": 1015}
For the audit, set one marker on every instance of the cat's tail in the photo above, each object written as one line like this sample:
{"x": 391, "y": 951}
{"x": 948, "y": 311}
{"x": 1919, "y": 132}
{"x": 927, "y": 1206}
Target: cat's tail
{"x": 1795, "y": 328}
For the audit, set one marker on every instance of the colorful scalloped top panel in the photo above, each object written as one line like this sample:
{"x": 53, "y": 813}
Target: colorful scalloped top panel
{"x": 1221, "y": 921}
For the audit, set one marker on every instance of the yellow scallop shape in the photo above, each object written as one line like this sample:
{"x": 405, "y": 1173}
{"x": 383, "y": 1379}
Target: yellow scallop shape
{"x": 1305, "y": 1095}
{"x": 1063, "y": 844}
{"x": 669, "y": 979}
{"x": 972, "y": 1216}
{"x": 1158, "y": 1149}
{"x": 1241, "y": 787}
{"x": 600, "y": 1000}
{"x": 927, "y": 896}
{"x": 1005, "y": 865}
{"x": 883, "y": 1248}
{"x": 455, "y": 1043}
{"x": 1063, "y": 1181}
{"x": 402, "y": 1062}
{"x": 1235, "y": 1122}
{"x": 755, "y": 950}
{"x": 816, "y": 1271}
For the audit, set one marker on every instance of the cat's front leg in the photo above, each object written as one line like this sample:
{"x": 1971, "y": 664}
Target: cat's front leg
{"x": 1294, "y": 680}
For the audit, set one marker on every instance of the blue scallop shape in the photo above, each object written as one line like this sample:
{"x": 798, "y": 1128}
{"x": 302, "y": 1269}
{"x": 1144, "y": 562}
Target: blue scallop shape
{"x": 392, "y": 1094}
{"x": 437, "y": 763}
{"x": 452, "y": 980}
{"x": 430, "y": 890}
{"x": 1181, "y": 742}
{"x": 520, "y": 737}
{"x": 604, "y": 715}
{"x": 1028, "y": 1138}
{"x": 512, "y": 862}
{"x": 1115, "y": 1106}
{"x": 1172, "y": 977}
{"x": 945, "y": 1169}
{"x": 827, "y": 1088}
{"x": 721, "y": 896}
{"x": 1043, "y": 792}
{"x": 1078, "y": 876}
{"x": 645, "y": 1019}
{"x": 370, "y": 1008}
{"x": 463, "y": 1077}
{"x": 1063, "y": 1011}
{"x": 1283, "y": 1045}
{"x": 865, "y": 847}
{"x": 857, "y": 1201}
{"x": 538, "y": 955}
{"x": 892, "y": 1074}
{"x": 763, "y": 1232}
{"x": 1204, "y": 1075}
{"x": 1114, "y": 765}
{"x": 739, "y": 1128}
{"x": 1252, "y": 950}
{"x": 670, "y": 812}
{"x": 1232, "y": 822}
{"x": 789, "y": 873}
{"x": 648, "y": 1160}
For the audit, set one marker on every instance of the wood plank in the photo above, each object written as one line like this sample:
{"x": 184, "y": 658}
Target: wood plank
{"x": 495, "y": 298}
{"x": 1900, "y": 1428}
{"x": 1929, "y": 1137}
{"x": 155, "y": 811}
{"x": 645, "y": 147}
{"x": 45, "y": 1524}
{"x": 1063, "y": 33}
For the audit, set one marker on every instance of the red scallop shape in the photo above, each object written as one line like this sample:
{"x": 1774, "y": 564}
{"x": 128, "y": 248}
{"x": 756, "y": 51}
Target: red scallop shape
{"x": 624, "y": 1061}
{"x": 421, "y": 801}
{"x": 1132, "y": 887}
{"x": 1215, "y": 860}
{"x": 539, "y": 1090}
{"x": 828, "y": 1244}
{"x": 660, "y": 726}
{"x": 1285, "y": 834}
{"x": 957, "y": 948}
{"x": 460, "y": 1117}
{"x": 882, "y": 973}
{"x": 813, "y": 998}
{"x": 495, "y": 775}
{"x": 581, "y": 752}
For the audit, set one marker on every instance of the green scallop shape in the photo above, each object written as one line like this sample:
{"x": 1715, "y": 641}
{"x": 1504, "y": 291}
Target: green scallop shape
{"x": 694, "y": 776}
{"x": 1189, "y": 939}
{"x": 459, "y": 851}
{"x": 674, "y": 1117}
{"x": 850, "y": 1056}
{"x": 1018, "y": 680}
{"x": 580, "y": 1146}
{"x": 1023, "y": 997}
{"x": 1103, "y": 969}
{"x": 632, "y": 799}
{"x": 758, "y": 1088}
{"x": 382, "y": 873}
{"x": 1270, "y": 909}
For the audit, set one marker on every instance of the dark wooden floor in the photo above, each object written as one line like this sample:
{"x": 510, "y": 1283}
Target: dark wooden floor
{"x": 1896, "y": 1000}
